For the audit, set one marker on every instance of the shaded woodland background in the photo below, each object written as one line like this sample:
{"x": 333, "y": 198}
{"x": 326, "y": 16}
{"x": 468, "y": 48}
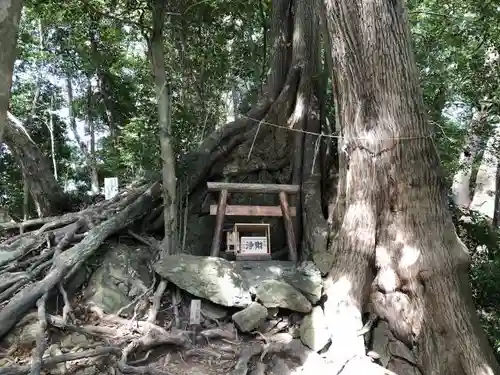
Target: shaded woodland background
{"x": 91, "y": 57}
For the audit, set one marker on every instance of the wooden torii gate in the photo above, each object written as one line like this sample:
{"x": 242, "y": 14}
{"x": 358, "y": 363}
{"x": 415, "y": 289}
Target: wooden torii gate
{"x": 222, "y": 209}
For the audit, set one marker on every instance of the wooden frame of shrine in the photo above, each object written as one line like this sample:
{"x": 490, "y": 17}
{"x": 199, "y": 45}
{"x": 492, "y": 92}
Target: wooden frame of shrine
{"x": 284, "y": 210}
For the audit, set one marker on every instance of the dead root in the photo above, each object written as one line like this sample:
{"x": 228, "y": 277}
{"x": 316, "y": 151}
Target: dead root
{"x": 114, "y": 330}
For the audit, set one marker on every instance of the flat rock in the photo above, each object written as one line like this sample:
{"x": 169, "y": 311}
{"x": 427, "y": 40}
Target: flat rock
{"x": 314, "y": 330}
{"x": 275, "y": 293}
{"x": 212, "y": 278}
{"x": 306, "y": 277}
{"x": 250, "y": 318}
{"x": 231, "y": 283}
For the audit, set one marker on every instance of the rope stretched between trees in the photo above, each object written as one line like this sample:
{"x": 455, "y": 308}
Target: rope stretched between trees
{"x": 319, "y": 134}
{"x": 322, "y": 134}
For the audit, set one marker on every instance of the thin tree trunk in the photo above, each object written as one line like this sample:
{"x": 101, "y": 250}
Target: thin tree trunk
{"x": 52, "y": 140}
{"x": 104, "y": 89}
{"x": 39, "y": 75}
{"x": 89, "y": 155}
{"x": 477, "y": 134}
{"x": 94, "y": 176}
{"x": 26, "y": 199}
{"x": 72, "y": 118}
{"x": 163, "y": 95}
{"x": 397, "y": 246}
{"x": 496, "y": 211}
{"x": 10, "y": 14}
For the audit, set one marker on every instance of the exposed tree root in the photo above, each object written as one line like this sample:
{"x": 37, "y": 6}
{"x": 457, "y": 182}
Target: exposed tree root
{"x": 21, "y": 370}
{"x": 155, "y": 307}
{"x": 115, "y": 329}
{"x": 96, "y": 224}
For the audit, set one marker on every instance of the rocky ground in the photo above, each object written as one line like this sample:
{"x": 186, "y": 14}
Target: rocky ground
{"x": 85, "y": 294}
{"x": 246, "y": 307}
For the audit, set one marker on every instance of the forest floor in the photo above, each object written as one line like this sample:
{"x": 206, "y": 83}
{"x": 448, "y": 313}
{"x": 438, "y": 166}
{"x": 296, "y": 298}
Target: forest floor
{"x": 46, "y": 327}
{"x": 96, "y": 343}
{"x": 71, "y": 304}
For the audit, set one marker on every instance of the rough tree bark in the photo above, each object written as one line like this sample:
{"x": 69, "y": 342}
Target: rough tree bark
{"x": 265, "y": 144}
{"x": 10, "y": 14}
{"x": 396, "y": 245}
{"x": 477, "y": 134}
{"x": 163, "y": 96}
{"x": 48, "y": 196}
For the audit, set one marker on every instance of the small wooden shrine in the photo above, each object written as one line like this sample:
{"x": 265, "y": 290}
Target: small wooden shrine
{"x": 252, "y": 241}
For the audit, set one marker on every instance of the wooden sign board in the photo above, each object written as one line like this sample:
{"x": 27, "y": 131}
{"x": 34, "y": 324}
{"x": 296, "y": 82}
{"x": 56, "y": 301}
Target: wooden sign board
{"x": 195, "y": 312}
{"x": 110, "y": 187}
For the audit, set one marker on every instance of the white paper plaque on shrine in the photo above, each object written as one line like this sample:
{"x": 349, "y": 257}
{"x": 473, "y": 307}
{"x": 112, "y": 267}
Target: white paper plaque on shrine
{"x": 254, "y": 245}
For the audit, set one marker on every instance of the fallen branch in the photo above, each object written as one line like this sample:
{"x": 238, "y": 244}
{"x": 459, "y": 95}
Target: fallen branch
{"x": 31, "y": 222}
{"x": 152, "y": 242}
{"x": 91, "y": 330}
{"x": 203, "y": 352}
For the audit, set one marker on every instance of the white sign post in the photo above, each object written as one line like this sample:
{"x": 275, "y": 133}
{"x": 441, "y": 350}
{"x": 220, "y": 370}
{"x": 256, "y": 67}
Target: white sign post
{"x": 110, "y": 187}
{"x": 195, "y": 313}
{"x": 195, "y": 317}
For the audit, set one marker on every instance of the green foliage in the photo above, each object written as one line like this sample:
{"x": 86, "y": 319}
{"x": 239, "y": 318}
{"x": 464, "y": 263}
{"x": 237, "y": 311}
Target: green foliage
{"x": 483, "y": 242}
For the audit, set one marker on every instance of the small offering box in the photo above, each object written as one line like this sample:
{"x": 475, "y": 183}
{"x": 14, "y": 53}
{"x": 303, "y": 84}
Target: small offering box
{"x": 250, "y": 241}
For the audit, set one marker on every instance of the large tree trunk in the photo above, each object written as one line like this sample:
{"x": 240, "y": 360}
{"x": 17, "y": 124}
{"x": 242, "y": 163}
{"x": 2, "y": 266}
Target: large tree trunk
{"x": 266, "y": 144}
{"x": 10, "y": 14}
{"x": 396, "y": 245}
{"x": 48, "y": 196}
